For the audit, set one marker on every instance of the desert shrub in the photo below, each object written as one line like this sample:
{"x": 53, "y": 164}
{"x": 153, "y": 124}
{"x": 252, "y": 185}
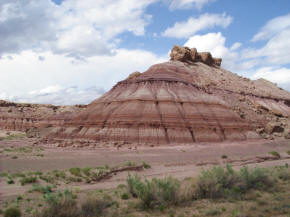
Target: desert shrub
{"x": 59, "y": 174}
{"x": 93, "y": 207}
{"x": 47, "y": 178}
{"x": 75, "y": 171}
{"x": 28, "y": 180}
{"x": 146, "y": 165}
{"x": 288, "y": 152}
{"x": 86, "y": 171}
{"x": 257, "y": 178}
{"x": 219, "y": 182}
{"x": 275, "y": 154}
{"x": 156, "y": 192}
{"x": 10, "y": 181}
{"x": 12, "y": 212}
{"x": 215, "y": 182}
{"x": 282, "y": 172}
{"x": 224, "y": 156}
{"x": 41, "y": 189}
{"x": 59, "y": 207}
{"x": 132, "y": 182}
{"x": 125, "y": 196}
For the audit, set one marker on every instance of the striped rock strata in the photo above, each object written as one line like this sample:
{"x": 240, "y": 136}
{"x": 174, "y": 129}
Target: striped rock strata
{"x": 181, "y": 101}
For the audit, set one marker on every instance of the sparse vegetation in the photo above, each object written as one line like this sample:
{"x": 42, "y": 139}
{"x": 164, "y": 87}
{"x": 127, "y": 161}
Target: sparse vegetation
{"x": 28, "y": 180}
{"x": 224, "y": 156}
{"x": 275, "y": 154}
{"x": 12, "y": 212}
{"x": 156, "y": 192}
{"x": 124, "y": 196}
{"x": 288, "y": 152}
{"x": 40, "y": 188}
{"x": 75, "y": 171}
{"x": 245, "y": 192}
{"x": 219, "y": 182}
{"x": 146, "y": 165}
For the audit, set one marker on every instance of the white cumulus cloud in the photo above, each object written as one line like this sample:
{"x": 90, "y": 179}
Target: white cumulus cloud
{"x": 276, "y": 75}
{"x": 194, "y": 25}
{"x": 187, "y": 4}
{"x": 75, "y": 28}
{"x": 33, "y": 80}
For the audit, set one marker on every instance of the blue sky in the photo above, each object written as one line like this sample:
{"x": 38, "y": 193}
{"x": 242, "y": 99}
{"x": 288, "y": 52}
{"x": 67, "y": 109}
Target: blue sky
{"x": 72, "y": 51}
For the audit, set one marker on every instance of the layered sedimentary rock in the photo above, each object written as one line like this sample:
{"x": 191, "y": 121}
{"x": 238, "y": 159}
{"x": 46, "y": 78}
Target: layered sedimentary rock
{"x": 25, "y": 116}
{"x": 189, "y": 99}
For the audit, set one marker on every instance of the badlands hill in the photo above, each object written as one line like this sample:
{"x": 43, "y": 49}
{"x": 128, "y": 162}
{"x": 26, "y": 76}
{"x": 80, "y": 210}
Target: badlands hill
{"x": 187, "y": 99}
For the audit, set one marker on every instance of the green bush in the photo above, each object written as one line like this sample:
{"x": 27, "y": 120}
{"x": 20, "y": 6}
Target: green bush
{"x": 146, "y": 165}
{"x": 75, "y": 171}
{"x": 28, "y": 180}
{"x": 12, "y": 212}
{"x": 213, "y": 183}
{"x": 224, "y": 156}
{"x": 156, "y": 192}
{"x": 86, "y": 171}
{"x": 219, "y": 182}
{"x": 257, "y": 178}
{"x": 125, "y": 196}
{"x": 41, "y": 189}
{"x": 10, "y": 181}
{"x": 288, "y": 152}
{"x": 282, "y": 172}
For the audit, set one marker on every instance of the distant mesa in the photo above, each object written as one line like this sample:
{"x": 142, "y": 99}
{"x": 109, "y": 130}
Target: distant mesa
{"x": 188, "y": 99}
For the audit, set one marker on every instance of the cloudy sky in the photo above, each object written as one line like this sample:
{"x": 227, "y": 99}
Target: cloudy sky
{"x": 72, "y": 51}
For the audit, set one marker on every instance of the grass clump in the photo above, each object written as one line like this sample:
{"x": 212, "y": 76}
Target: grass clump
{"x": 130, "y": 163}
{"x": 155, "y": 193}
{"x": 42, "y": 189}
{"x": 75, "y": 171}
{"x": 12, "y": 212}
{"x": 275, "y": 154}
{"x": 28, "y": 180}
{"x": 146, "y": 165}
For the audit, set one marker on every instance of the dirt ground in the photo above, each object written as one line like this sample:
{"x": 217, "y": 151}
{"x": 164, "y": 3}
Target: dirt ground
{"x": 180, "y": 161}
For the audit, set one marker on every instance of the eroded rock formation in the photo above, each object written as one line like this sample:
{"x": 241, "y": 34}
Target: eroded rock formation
{"x": 33, "y": 117}
{"x": 186, "y": 54}
{"x": 188, "y": 99}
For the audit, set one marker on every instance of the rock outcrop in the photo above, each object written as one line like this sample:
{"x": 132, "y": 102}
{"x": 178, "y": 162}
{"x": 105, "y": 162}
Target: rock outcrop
{"x": 185, "y": 54}
{"x": 188, "y": 99}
